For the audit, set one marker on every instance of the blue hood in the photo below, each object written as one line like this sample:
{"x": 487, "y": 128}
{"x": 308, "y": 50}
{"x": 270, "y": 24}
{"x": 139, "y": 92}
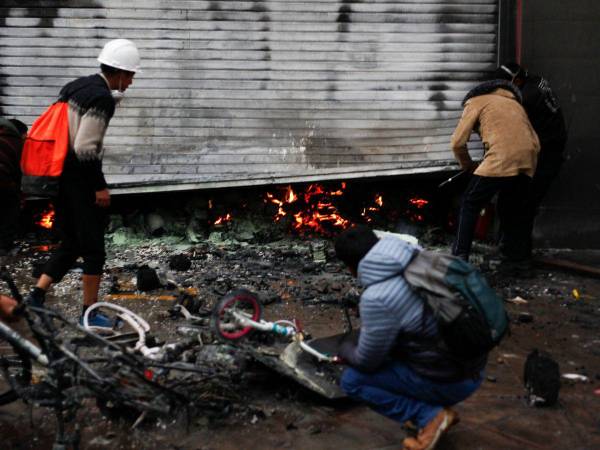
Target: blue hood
{"x": 387, "y": 258}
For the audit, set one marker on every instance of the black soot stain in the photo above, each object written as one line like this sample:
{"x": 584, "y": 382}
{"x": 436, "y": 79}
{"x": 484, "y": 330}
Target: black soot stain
{"x": 259, "y": 7}
{"x": 438, "y": 97}
{"x": 46, "y": 16}
{"x": 266, "y": 53}
{"x": 343, "y": 18}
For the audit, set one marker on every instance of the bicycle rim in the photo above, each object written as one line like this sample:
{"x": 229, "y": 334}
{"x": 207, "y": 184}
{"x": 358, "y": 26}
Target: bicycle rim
{"x": 240, "y": 300}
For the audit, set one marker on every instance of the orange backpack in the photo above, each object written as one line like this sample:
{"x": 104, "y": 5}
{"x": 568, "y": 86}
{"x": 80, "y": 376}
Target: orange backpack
{"x": 45, "y": 150}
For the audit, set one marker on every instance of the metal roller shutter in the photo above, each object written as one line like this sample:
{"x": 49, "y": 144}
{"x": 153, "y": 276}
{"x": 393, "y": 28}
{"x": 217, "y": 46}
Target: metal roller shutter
{"x": 252, "y": 92}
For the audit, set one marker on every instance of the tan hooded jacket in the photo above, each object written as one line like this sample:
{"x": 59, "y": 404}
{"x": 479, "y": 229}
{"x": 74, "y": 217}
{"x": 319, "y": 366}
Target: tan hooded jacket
{"x": 510, "y": 143}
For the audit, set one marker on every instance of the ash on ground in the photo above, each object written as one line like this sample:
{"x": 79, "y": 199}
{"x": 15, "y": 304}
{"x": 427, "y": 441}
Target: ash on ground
{"x": 299, "y": 277}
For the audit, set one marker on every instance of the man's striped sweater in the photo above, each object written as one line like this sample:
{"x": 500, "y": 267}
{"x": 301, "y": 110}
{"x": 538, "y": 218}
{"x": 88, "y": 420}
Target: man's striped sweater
{"x": 91, "y": 106}
{"x": 394, "y": 321}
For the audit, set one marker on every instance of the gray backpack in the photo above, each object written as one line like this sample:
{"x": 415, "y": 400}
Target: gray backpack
{"x": 470, "y": 315}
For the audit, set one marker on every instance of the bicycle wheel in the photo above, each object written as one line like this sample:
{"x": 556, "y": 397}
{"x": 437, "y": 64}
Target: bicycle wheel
{"x": 223, "y": 321}
{"x": 16, "y": 372}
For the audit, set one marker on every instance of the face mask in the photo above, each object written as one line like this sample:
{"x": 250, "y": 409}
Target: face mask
{"x": 512, "y": 74}
{"x": 118, "y": 95}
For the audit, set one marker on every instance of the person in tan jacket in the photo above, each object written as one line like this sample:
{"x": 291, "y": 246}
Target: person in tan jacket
{"x": 493, "y": 110}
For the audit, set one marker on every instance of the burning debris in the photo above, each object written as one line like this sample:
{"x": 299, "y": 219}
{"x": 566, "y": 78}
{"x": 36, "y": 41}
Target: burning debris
{"x": 47, "y": 218}
{"x": 314, "y": 209}
{"x": 259, "y": 215}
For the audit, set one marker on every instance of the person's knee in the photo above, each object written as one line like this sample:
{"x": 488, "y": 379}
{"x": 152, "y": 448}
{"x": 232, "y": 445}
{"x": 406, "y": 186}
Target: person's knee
{"x": 93, "y": 264}
{"x": 351, "y": 381}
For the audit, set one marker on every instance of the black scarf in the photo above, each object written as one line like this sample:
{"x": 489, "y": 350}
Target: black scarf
{"x": 488, "y": 87}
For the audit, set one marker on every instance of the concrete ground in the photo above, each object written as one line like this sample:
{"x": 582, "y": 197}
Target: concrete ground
{"x": 281, "y": 414}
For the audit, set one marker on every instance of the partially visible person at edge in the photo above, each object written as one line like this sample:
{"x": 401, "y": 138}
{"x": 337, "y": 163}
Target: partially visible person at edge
{"x": 12, "y": 135}
{"x": 546, "y": 116}
{"x": 493, "y": 109}
{"x": 396, "y": 366}
{"x": 83, "y": 198}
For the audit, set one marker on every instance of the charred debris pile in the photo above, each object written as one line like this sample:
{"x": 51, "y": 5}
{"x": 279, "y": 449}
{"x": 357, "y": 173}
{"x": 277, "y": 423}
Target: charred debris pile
{"x": 276, "y": 242}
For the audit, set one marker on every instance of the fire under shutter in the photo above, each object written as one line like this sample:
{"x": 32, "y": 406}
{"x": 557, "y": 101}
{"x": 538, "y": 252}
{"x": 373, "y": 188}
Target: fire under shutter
{"x": 257, "y": 92}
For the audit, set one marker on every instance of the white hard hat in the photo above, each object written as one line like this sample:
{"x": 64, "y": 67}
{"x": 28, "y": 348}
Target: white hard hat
{"x": 121, "y": 54}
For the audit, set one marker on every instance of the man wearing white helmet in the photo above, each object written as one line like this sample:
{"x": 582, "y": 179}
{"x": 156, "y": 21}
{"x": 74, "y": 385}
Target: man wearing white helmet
{"x": 83, "y": 198}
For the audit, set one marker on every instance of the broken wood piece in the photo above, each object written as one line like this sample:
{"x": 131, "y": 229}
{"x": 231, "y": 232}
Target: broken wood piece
{"x": 565, "y": 264}
{"x": 140, "y": 297}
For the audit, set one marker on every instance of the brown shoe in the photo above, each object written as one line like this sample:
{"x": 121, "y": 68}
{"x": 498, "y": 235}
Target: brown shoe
{"x": 430, "y": 434}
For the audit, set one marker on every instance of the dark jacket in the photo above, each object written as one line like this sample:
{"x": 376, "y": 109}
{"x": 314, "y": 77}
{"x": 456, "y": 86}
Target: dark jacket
{"x": 544, "y": 112}
{"x": 11, "y": 146}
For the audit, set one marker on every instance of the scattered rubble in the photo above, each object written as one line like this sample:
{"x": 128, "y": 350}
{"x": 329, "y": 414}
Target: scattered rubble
{"x": 298, "y": 276}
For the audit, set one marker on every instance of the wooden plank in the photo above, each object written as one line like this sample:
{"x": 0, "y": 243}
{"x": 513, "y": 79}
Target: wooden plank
{"x": 400, "y": 15}
{"x": 267, "y": 75}
{"x": 60, "y": 43}
{"x": 165, "y": 103}
{"x": 308, "y": 27}
{"x": 422, "y": 95}
{"x": 320, "y": 5}
{"x": 571, "y": 266}
{"x": 101, "y": 35}
{"x": 330, "y": 66}
{"x": 53, "y": 84}
{"x": 23, "y": 54}
{"x": 411, "y": 6}
{"x": 129, "y": 117}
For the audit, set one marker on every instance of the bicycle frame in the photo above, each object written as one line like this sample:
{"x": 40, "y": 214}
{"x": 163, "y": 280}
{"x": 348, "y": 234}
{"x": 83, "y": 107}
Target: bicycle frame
{"x": 281, "y": 328}
{"x": 19, "y": 341}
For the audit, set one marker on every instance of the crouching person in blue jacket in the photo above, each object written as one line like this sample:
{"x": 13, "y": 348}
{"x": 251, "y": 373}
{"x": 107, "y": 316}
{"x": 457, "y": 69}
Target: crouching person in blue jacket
{"x": 397, "y": 367}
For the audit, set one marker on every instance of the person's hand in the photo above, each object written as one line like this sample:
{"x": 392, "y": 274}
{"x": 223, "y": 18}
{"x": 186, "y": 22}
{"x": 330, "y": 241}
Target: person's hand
{"x": 7, "y": 307}
{"x": 103, "y": 198}
{"x": 346, "y": 350}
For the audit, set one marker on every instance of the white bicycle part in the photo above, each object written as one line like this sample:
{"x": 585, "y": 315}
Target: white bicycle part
{"x": 140, "y": 326}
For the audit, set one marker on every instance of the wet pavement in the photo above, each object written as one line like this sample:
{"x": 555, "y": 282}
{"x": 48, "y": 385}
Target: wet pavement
{"x": 272, "y": 411}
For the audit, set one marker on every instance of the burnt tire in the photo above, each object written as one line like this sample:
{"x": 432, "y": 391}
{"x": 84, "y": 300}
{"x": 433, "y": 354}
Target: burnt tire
{"x": 222, "y": 322}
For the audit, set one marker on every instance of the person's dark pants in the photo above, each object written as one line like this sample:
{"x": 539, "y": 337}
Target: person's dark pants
{"x": 549, "y": 163}
{"x": 397, "y": 392}
{"x": 512, "y": 193}
{"x": 81, "y": 225}
{"x": 10, "y": 205}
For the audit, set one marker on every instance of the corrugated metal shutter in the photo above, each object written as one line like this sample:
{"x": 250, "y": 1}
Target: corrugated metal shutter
{"x": 249, "y": 92}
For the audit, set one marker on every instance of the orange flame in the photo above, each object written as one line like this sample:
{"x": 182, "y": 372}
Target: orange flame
{"x": 47, "y": 220}
{"x": 290, "y": 197}
{"x": 315, "y": 208}
{"x": 223, "y": 219}
{"x": 419, "y": 202}
{"x": 378, "y": 204}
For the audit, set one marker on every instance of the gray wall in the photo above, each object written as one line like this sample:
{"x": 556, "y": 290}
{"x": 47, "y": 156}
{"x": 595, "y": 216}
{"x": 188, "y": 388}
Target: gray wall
{"x": 561, "y": 41}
